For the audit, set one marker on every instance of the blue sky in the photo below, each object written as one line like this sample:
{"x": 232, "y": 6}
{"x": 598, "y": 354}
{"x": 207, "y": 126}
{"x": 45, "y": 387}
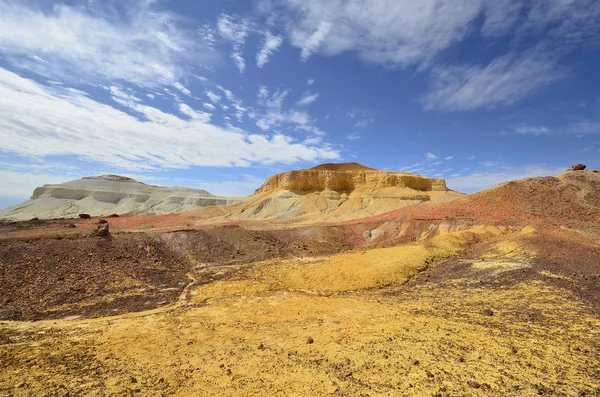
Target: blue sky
{"x": 221, "y": 94}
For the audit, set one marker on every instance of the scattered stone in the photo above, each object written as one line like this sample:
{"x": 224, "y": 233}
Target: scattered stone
{"x": 461, "y": 359}
{"x": 429, "y": 374}
{"x": 487, "y": 312}
{"x": 578, "y": 167}
{"x": 228, "y": 371}
{"x": 221, "y": 365}
{"x": 474, "y": 385}
{"x": 310, "y": 340}
{"x": 133, "y": 379}
{"x": 71, "y": 226}
{"x": 516, "y": 387}
{"x": 114, "y": 216}
{"x": 348, "y": 374}
{"x": 414, "y": 361}
{"x": 347, "y": 361}
{"x": 367, "y": 234}
{"x": 85, "y": 216}
{"x": 260, "y": 346}
{"x": 103, "y": 229}
{"x": 35, "y": 219}
{"x": 514, "y": 350}
{"x": 541, "y": 389}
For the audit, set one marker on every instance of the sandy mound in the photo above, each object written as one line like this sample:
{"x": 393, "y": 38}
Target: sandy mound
{"x": 110, "y": 194}
{"x": 337, "y": 192}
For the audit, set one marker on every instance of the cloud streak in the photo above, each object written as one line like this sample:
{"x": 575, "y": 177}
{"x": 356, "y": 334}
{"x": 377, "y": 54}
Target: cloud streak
{"x": 38, "y": 121}
{"x": 148, "y": 49}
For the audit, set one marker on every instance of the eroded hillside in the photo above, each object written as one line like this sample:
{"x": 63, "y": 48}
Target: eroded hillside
{"x": 491, "y": 294}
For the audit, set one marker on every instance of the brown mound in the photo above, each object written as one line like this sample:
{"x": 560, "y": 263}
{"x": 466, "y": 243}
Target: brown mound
{"x": 342, "y": 167}
{"x": 566, "y": 197}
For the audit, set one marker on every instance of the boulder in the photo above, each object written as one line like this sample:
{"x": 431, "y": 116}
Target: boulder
{"x": 103, "y": 229}
{"x": 85, "y": 216}
{"x": 578, "y": 167}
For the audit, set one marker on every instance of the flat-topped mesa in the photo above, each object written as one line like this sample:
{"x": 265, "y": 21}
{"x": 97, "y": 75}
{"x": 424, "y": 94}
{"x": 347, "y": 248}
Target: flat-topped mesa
{"x": 347, "y": 181}
{"x": 111, "y": 194}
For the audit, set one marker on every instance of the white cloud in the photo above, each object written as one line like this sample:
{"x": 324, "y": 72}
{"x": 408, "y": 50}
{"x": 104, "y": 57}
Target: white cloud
{"x": 235, "y": 31}
{"x": 209, "y": 106}
{"x": 532, "y": 130}
{"x": 364, "y": 123}
{"x": 146, "y": 48}
{"x": 431, "y": 156}
{"x": 481, "y": 180}
{"x": 181, "y": 88}
{"x": 38, "y": 120}
{"x": 213, "y": 97}
{"x": 310, "y": 82}
{"x": 352, "y": 137}
{"x": 502, "y": 82}
{"x": 271, "y": 43}
{"x": 449, "y": 158}
{"x": 307, "y": 99}
{"x": 194, "y": 114}
{"x": 406, "y": 32}
{"x": 271, "y": 113}
{"x": 585, "y": 128}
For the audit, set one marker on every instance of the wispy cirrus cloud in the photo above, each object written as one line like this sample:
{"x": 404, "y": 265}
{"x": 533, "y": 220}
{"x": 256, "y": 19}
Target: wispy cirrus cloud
{"x": 271, "y": 44}
{"x": 235, "y": 30}
{"x": 406, "y": 33}
{"x": 39, "y": 120}
{"x": 503, "y": 81}
{"x": 78, "y": 45}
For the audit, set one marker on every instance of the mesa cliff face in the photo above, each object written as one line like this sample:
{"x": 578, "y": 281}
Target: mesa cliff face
{"x": 347, "y": 181}
{"x": 110, "y": 194}
{"x": 339, "y": 191}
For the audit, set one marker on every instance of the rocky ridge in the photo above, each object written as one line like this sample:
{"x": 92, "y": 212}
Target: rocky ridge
{"x": 110, "y": 194}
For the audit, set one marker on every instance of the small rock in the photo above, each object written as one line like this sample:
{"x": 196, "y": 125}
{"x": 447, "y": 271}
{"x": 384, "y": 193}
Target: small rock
{"x": 367, "y": 234}
{"x": 261, "y": 346}
{"x": 103, "y": 229}
{"x": 347, "y": 361}
{"x": 487, "y": 312}
{"x": 348, "y": 374}
{"x": 474, "y": 385}
{"x": 221, "y": 365}
{"x": 429, "y": 374}
{"x": 461, "y": 359}
{"x": 114, "y": 216}
{"x": 414, "y": 362}
{"x": 578, "y": 167}
{"x": 133, "y": 379}
{"x": 541, "y": 389}
{"x": 514, "y": 350}
{"x": 85, "y": 216}
{"x": 228, "y": 371}
{"x": 310, "y": 340}
{"x": 516, "y": 387}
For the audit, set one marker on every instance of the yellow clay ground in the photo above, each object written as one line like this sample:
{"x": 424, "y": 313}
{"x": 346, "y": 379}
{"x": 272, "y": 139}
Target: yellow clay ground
{"x": 245, "y": 334}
